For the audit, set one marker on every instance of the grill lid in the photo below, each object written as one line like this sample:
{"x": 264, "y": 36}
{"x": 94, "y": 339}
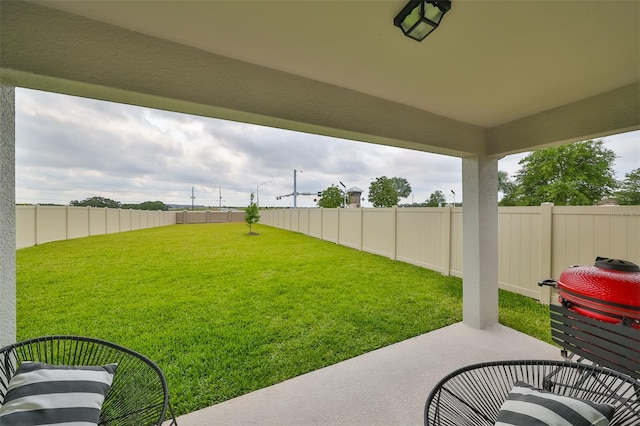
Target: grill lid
{"x": 608, "y": 291}
{"x": 616, "y": 264}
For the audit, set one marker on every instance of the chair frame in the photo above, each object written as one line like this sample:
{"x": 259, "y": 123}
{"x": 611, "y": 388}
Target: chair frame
{"x": 473, "y": 395}
{"x": 138, "y": 396}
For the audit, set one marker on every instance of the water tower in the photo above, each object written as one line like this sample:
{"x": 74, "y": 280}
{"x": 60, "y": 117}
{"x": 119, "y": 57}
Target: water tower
{"x": 355, "y": 194}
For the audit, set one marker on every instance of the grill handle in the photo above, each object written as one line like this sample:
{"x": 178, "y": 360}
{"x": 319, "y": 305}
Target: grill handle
{"x": 549, "y": 282}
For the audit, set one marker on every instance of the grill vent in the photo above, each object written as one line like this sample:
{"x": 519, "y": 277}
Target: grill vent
{"x": 616, "y": 264}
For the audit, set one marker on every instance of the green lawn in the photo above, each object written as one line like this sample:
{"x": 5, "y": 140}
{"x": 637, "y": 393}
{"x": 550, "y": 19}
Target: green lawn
{"x": 224, "y": 313}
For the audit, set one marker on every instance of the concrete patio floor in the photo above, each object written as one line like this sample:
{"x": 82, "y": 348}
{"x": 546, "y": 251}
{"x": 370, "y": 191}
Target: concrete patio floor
{"x": 388, "y": 386}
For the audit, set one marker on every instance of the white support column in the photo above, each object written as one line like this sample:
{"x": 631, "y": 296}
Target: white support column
{"x": 7, "y": 215}
{"x": 480, "y": 239}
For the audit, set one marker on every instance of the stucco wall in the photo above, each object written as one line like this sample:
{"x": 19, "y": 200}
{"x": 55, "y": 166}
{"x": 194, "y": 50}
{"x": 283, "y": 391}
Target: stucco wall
{"x": 7, "y": 216}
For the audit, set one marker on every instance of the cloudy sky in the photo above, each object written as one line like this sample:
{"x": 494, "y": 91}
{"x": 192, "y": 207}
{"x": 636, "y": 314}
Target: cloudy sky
{"x": 70, "y": 148}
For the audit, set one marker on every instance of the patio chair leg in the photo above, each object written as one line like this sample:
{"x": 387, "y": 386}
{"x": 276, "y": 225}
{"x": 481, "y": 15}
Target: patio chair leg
{"x": 174, "y": 422}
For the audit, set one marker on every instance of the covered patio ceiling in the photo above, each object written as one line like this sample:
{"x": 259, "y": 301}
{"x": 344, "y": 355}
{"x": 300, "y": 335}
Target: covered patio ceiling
{"x": 497, "y": 77}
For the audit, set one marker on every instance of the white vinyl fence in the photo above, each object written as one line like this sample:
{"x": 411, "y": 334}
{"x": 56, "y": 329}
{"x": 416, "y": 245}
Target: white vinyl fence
{"x": 534, "y": 242}
{"x": 36, "y": 224}
{"x": 189, "y": 217}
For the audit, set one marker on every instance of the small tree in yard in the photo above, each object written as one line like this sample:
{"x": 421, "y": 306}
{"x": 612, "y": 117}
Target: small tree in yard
{"x": 251, "y": 214}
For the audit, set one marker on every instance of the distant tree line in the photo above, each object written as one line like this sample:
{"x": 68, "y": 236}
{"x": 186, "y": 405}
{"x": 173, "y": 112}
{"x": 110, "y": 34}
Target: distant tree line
{"x": 383, "y": 192}
{"x": 578, "y": 174}
{"x": 107, "y": 202}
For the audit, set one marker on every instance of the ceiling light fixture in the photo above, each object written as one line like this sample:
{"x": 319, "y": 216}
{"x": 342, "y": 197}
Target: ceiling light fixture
{"x": 419, "y": 18}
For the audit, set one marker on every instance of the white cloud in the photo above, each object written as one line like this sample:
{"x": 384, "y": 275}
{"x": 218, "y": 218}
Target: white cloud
{"x": 70, "y": 148}
{"x": 627, "y": 148}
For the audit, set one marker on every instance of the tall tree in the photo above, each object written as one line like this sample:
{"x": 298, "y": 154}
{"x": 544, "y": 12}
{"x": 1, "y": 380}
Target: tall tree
{"x": 252, "y": 215}
{"x": 506, "y": 186}
{"x": 97, "y": 202}
{"x": 331, "y": 198}
{"x": 436, "y": 199}
{"x": 382, "y": 193}
{"x": 402, "y": 187}
{"x": 579, "y": 174}
{"x": 629, "y": 193}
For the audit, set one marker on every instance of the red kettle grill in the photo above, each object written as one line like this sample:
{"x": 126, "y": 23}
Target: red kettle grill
{"x": 608, "y": 291}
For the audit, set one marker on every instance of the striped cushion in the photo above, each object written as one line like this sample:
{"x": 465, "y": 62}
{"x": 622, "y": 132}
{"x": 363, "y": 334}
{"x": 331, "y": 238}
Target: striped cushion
{"x": 40, "y": 394}
{"x": 529, "y": 406}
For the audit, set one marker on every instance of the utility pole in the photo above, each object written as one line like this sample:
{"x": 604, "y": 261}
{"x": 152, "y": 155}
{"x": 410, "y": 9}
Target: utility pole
{"x": 346, "y": 204}
{"x": 193, "y": 198}
{"x": 220, "y": 197}
{"x": 295, "y": 188}
{"x": 258, "y": 192}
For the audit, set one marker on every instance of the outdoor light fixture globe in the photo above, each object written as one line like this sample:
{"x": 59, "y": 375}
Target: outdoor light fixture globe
{"x": 419, "y": 18}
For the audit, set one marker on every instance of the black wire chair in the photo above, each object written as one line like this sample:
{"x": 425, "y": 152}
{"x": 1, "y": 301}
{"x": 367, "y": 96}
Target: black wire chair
{"x": 138, "y": 396}
{"x": 474, "y": 394}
